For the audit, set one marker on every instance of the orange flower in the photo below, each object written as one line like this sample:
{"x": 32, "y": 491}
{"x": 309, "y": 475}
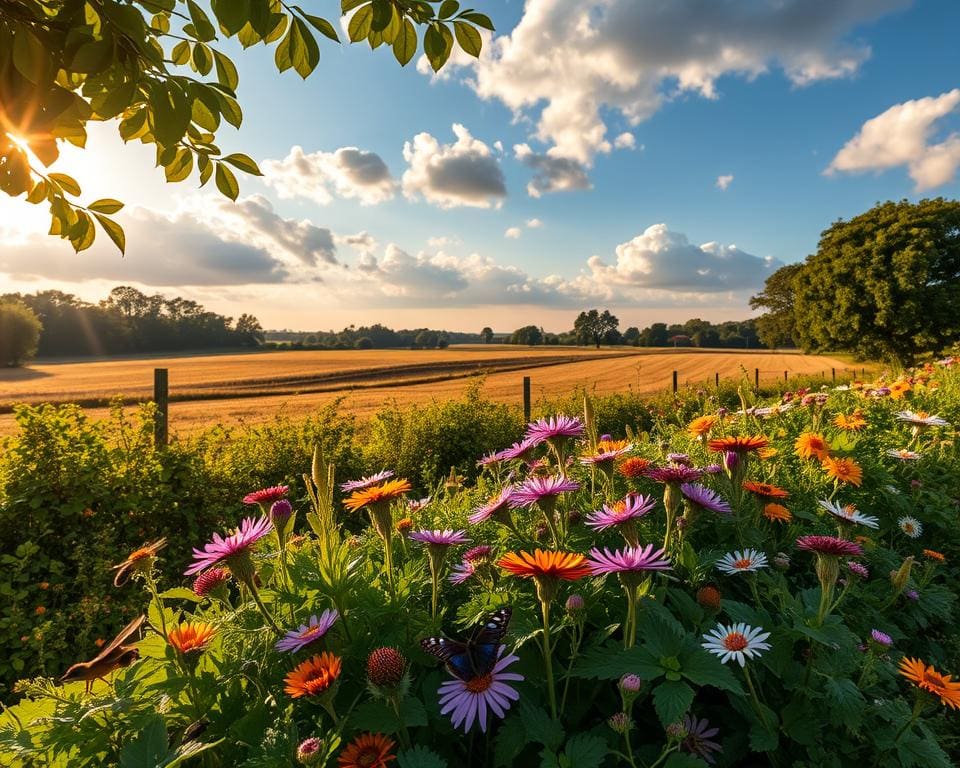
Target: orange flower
{"x": 765, "y": 490}
{"x": 191, "y": 636}
{"x": 558, "y": 565}
{"x": 40, "y": 610}
{"x": 767, "y": 453}
{"x": 608, "y": 446}
{"x": 853, "y": 422}
{"x": 368, "y": 750}
{"x": 899, "y": 389}
{"x": 843, "y": 470}
{"x": 739, "y": 444}
{"x": 404, "y": 525}
{"x": 139, "y": 560}
{"x": 926, "y": 678}
{"x": 634, "y": 467}
{"x": 777, "y": 513}
{"x": 932, "y": 554}
{"x": 699, "y": 427}
{"x": 388, "y": 491}
{"x": 313, "y": 676}
{"x": 812, "y": 445}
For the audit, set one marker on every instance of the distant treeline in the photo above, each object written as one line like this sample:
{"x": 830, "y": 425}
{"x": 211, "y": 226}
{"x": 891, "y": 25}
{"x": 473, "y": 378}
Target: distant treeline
{"x": 369, "y": 337}
{"x": 130, "y": 321}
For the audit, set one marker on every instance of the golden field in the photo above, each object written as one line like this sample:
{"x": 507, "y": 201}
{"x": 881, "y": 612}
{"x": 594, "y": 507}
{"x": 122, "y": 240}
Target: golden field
{"x": 211, "y": 388}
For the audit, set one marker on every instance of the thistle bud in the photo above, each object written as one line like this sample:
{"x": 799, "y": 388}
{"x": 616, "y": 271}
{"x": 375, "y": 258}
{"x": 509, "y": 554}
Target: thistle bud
{"x": 708, "y": 596}
{"x": 630, "y": 685}
{"x": 620, "y": 722}
{"x": 901, "y": 576}
{"x": 575, "y": 606}
{"x": 386, "y": 670}
{"x": 310, "y": 751}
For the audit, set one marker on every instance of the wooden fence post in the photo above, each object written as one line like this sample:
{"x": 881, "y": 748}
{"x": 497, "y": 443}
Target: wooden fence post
{"x": 833, "y": 374}
{"x": 161, "y": 396}
{"x": 784, "y": 375}
{"x": 716, "y": 377}
{"x": 526, "y": 399}
{"x": 756, "y": 378}
{"x": 674, "y": 382}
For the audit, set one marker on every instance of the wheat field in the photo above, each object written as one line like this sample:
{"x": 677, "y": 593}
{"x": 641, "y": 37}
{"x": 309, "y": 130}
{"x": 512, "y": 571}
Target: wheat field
{"x": 249, "y": 387}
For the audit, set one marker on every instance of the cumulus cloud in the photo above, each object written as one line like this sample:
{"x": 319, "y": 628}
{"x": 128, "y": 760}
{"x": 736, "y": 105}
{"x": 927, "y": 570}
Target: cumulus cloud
{"x": 361, "y": 241}
{"x": 513, "y": 233}
{"x": 534, "y": 223}
{"x": 465, "y": 173}
{"x": 347, "y": 172}
{"x": 551, "y": 173}
{"x": 570, "y": 65}
{"x": 625, "y": 140}
{"x": 724, "y": 181}
{"x": 904, "y": 136}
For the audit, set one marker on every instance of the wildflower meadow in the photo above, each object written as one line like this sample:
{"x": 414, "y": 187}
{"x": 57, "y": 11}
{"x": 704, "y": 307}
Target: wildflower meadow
{"x": 766, "y": 584}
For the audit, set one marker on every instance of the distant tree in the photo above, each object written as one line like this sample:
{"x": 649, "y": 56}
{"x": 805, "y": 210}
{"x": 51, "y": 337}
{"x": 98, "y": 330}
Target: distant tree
{"x": 443, "y": 342}
{"x": 487, "y": 334}
{"x": 19, "y": 333}
{"x": 885, "y": 284}
{"x": 363, "y": 342}
{"x": 592, "y": 326}
{"x": 530, "y": 335}
{"x": 249, "y": 330}
{"x": 631, "y": 336}
{"x": 654, "y": 336}
{"x": 778, "y": 325}
{"x": 706, "y": 337}
{"x": 426, "y": 339}
{"x": 613, "y": 337}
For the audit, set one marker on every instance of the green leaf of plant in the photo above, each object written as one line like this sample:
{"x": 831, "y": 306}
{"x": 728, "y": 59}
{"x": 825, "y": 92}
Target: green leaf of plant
{"x": 702, "y": 668}
{"x": 201, "y": 22}
{"x": 232, "y": 14}
{"x": 846, "y": 702}
{"x": 226, "y": 71}
{"x": 585, "y": 751}
{"x": 420, "y": 757}
{"x": 448, "y": 8}
{"x": 180, "y": 593}
{"x": 181, "y": 166}
{"x": 480, "y": 19}
{"x": 29, "y": 56}
{"x": 320, "y": 24}
{"x": 684, "y": 760}
{"x": 435, "y": 45}
{"x": 468, "y": 38}
{"x": 359, "y": 26}
{"x": 671, "y": 699}
{"x": 405, "y": 43}
{"x": 609, "y": 662}
{"x": 375, "y": 715}
{"x": 105, "y": 205}
{"x": 512, "y": 737}
{"x": 67, "y": 183}
{"x": 226, "y": 181}
{"x": 148, "y": 747}
{"x": 382, "y": 13}
{"x": 304, "y": 51}
{"x": 540, "y": 727}
{"x": 244, "y": 163}
{"x": 202, "y": 59}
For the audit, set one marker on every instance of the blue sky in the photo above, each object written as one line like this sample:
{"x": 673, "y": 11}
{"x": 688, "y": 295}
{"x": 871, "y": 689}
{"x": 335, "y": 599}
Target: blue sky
{"x": 771, "y": 94}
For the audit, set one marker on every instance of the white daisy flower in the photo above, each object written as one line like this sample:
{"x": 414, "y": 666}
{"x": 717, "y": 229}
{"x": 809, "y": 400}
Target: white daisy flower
{"x": 741, "y": 562}
{"x": 910, "y": 526}
{"x": 849, "y": 514}
{"x": 921, "y": 419}
{"x": 736, "y": 641}
{"x": 892, "y": 489}
{"x": 903, "y": 454}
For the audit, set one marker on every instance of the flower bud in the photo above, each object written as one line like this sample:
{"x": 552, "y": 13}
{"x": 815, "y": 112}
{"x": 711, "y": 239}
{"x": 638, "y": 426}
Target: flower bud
{"x": 575, "y": 605}
{"x": 781, "y": 561}
{"x": 708, "y": 596}
{"x": 620, "y": 722}
{"x": 676, "y": 731}
{"x": 386, "y": 667}
{"x": 310, "y": 751}
{"x": 901, "y": 576}
{"x": 631, "y": 684}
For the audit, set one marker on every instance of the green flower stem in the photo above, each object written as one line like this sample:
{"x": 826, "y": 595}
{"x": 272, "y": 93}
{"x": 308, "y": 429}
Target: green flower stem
{"x": 404, "y": 734}
{"x": 152, "y": 586}
{"x": 630, "y": 626}
{"x": 548, "y": 515}
{"x": 843, "y": 594}
{"x": 578, "y": 630}
{"x": 255, "y": 594}
{"x": 435, "y": 591}
{"x": 388, "y": 564}
{"x": 826, "y": 597}
{"x": 867, "y": 666}
{"x": 917, "y": 709}
{"x": 663, "y": 755}
{"x": 756, "y": 699}
{"x": 548, "y": 658}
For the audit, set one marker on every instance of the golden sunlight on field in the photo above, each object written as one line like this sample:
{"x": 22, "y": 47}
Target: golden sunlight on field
{"x": 206, "y": 389}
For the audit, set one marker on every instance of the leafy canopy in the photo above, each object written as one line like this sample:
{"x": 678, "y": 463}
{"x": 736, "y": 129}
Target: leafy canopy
{"x": 154, "y": 66}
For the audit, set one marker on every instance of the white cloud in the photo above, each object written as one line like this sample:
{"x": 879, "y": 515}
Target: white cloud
{"x": 348, "y": 172}
{"x": 362, "y": 241}
{"x": 625, "y": 140}
{"x": 534, "y": 223}
{"x": 513, "y": 233}
{"x": 724, "y": 181}
{"x": 551, "y": 173}
{"x": 443, "y": 241}
{"x": 569, "y": 64}
{"x": 465, "y": 173}
{"x": 904, "y": 136}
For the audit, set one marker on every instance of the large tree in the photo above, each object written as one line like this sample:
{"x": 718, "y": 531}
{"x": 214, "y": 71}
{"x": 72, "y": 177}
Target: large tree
{"x": 19, "y": 333}
{"x": 593, "y": 326}
{"x": 885, "y": 284}
{"x": 157, "y": 68}
{"x": 487, "y": 335}
{"x": 778, "y": 325}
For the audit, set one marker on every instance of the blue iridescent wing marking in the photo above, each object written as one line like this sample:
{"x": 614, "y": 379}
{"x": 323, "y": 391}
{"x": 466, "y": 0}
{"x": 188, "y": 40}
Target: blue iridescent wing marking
{"x": 478, "y": 655}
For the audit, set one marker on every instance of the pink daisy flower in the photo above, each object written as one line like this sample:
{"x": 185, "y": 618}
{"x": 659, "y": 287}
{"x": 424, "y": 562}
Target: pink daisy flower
{"x": 476, "y": 554}
{"x": 628, "y": 559}
{"x": 533, "y": 489}
{"x": 605, "y": 456}
{"x": 440, "y": 538}
{"x": 220, "y": 549}
{"x": 498, "y": 504}
{"x": 266, "y": 496}
{"x": 561, "y": 426}
{"x": 462, "y": 572}
{"x": 467, "y": 701}
{"x": 521, "y": 450}
{"x": 829, "y": 545}
{"x": 631, "y": 507}
{"x": 674, "y": 473}
{"x": 705, "y": 498}
{"x": 307, "y": 633}
{"x": 366, "y": 482}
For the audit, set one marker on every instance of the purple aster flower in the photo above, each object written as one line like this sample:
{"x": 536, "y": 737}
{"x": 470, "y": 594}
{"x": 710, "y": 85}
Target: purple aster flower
{"x": 467, "y": 701}
{"x": 712, "y": 469}
{"x": 542, "y": 430}
{"x": 226, "y": 550}
{"x": 307, "y": 633}
{"x": 489, "y": 459}
{"x": 698, "y": 740}
{"x": 440, "y": 538}
{"x": 674, "y": 473}
{"x": 462, "y": 572}
{"x": 631, "y": 507}
{"x": 521, "y": 450}
{"x": 366, "y": 482}
{"x": 605, "y": 456}
{"x": 478, "y": 553}
{"x": 912, "y": 595}
{"x": 533, "y": 489}
{"x": 266, "y": 496}
{"x": 857, "y": 569}
{"x": 881, "y": 638}
{"x": 498, "y": 505}
{"x": 628, "y": 559}
{"x": 703, "y": 497}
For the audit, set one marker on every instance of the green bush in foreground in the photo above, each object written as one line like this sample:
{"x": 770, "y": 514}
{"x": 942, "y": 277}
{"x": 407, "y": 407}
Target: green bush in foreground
{"x": 773, "y": 586}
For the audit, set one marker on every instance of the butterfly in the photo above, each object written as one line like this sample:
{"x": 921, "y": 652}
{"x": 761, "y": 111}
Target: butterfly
{"x": 113, "y": 656}
{"x": 477, "y": 655}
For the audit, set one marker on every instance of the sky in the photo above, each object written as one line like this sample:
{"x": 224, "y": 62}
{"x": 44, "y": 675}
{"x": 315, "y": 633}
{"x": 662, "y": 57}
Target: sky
{"x": 659, "y": 159}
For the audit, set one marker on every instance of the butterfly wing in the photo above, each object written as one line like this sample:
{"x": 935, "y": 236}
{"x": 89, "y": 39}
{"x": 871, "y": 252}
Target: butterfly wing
{"x": 485, "y": 640}
{"x": 453, "y": 653}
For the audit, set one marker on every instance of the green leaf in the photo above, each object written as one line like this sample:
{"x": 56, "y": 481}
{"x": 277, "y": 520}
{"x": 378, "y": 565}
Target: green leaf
{"x": 420, "y": 757}
{"x": 320, "y": 24}
{"x": 206, "y": 169}
{"x": 480, "y": 19}
{"x": 414, "y": 713}
{"x": 375, "y": 715}
{"x": 180, "y": 593}
{"x": 405, "y": 43}
{"x": 609, "y": 662}
{"x": 105, "y": 205}
{"x": 181, "y": 166}
{"x": 448, "y": 8}
{"x": 359, "y": 26}
{"x": 468, "y": 38}
{"x": 201, "y": 22}
{"x": 845, "y": 700}
{"x": 202, "y": 59}
{"x": 67, "y": 183}
{"x": 585, "y": 751}
{"x": 232, "y": 14}
{"x": 663, "y": 635}
{"x": 435, "y": 45}
{"x": 148, "y": 747}
{"x": 672, "y": 699}
{"x": 684, "y": 760}
{"x": 226, "y": 71}
{"x": 348, "y": 5}
{"x": 761, "y": 738}
{"x": 382, "y": 14}
{"x": 511, "y": 738}
{"x": 29, "y": 55}
{"x": 244, "y": 163}
{"x": 304, "y": 51}
{"x": 540, "y": 727}
{"x": 702, "y": 668}
{"x": 226, "y": 181}
{"x": 83, "y": 233}
{"x": 913, "y": 750}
